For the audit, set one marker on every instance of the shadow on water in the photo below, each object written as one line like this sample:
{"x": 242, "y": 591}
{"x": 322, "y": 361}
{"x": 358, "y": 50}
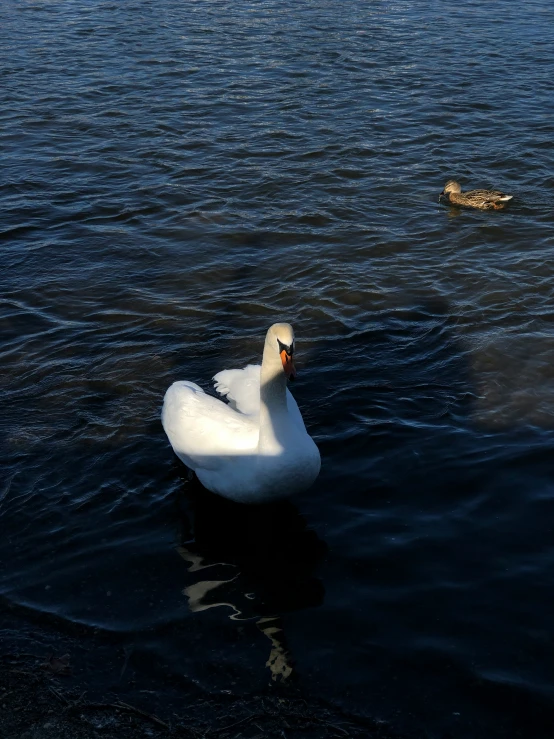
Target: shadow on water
{"x": 257, "y": 561}
{"x": 416, "y": 504}
{"x": 430, "y": 520}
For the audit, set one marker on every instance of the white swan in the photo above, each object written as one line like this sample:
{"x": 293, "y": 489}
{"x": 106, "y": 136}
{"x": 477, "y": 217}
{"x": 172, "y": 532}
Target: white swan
{"x": 256, "y": 447}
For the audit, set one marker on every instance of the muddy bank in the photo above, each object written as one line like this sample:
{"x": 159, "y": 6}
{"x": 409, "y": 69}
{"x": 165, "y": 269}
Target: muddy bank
{"x": 63, "y": 680}
{"x": 39, "y": 699}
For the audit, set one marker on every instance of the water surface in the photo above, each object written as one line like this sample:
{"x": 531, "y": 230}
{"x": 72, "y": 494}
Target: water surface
{"x": 178, "y": 176}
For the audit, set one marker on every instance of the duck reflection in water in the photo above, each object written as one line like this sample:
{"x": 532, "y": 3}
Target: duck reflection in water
{"x": 257, "y": 560}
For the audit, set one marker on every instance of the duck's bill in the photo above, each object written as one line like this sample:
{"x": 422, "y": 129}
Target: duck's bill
{"x": 288, "y": 365}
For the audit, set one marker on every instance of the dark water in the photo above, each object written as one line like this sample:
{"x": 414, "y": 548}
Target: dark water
{"x": 176, "y": 176}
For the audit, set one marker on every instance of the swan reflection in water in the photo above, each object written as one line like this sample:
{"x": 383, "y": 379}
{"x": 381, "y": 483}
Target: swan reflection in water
{"x": 268, "y": 557}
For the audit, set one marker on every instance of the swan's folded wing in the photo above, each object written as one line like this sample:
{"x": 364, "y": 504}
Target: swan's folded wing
{"x": 204, "y": 430}
{"x": 241, "y": 387}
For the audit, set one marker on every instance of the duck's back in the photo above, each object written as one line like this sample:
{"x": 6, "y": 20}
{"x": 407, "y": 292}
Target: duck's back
{"x": 492, "y": 195}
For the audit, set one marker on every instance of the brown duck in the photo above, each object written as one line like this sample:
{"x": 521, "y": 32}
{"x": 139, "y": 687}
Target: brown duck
{"x": 482, "y": 199}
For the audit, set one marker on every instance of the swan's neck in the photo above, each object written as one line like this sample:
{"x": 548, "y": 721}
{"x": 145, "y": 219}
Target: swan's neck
{"x": 273, "y": 403}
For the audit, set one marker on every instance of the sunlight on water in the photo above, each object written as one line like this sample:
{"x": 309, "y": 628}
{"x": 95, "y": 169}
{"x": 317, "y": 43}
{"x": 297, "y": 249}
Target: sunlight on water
{"x": 176, "y": 178}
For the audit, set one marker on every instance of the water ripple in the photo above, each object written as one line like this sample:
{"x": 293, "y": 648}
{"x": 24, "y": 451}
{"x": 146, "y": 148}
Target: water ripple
{"x": 176, "y": 178}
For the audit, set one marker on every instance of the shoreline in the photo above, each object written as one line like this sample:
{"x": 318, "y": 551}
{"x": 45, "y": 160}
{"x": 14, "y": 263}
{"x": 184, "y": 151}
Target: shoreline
{"x": 39, "y": 699}
{"x": 70, "y": 683}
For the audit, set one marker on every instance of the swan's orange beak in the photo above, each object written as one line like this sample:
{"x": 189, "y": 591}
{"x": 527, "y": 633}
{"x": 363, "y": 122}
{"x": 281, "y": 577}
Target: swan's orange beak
{"x": 288, "y": 365}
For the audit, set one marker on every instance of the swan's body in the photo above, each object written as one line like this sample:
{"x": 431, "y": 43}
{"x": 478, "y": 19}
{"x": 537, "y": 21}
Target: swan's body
{"x": 256, "y": 447}
{"x": 482, "y": 199}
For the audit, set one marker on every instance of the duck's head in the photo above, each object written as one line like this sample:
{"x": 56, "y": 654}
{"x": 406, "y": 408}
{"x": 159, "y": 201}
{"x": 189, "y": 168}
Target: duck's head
{"x": 280, "y": 338}
{"x": 451, "y": 186}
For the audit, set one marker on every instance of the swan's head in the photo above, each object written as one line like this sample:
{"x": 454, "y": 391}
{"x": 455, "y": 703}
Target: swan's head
{"x": 280, "y": 337}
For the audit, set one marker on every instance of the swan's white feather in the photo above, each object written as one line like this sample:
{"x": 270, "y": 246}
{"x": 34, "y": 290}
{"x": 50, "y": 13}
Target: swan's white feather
{"x": 241, "y": 387}
{"x": 196, "y": 424}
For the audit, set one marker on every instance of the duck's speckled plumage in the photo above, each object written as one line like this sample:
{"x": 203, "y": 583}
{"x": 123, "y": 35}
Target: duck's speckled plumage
{"x": 482, "y": 199}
